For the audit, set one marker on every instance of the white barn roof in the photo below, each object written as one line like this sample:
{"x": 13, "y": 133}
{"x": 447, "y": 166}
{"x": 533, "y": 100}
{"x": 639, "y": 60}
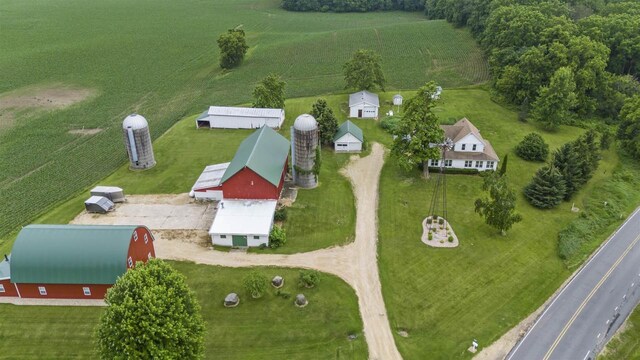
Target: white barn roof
{"x": 244, "y": 217}
{"x": 106, "y": 189}
{"x": 364, "y": 97}
{"x": 211, "y": 176}
{"x": 244, "y": 111}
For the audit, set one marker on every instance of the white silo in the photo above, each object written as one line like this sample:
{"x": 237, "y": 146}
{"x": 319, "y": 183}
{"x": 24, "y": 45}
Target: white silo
{"x": 304, "y": 142}
{"x": 138, "y": 142}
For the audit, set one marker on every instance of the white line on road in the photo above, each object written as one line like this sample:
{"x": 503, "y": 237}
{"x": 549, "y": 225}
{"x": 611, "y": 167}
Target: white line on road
{"x": 586, "y": 356}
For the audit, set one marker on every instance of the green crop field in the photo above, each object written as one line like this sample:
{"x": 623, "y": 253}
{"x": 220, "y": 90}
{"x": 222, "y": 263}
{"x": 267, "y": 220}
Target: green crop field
{"x": 267, "y": 328}
{"x": 159, "y": 58}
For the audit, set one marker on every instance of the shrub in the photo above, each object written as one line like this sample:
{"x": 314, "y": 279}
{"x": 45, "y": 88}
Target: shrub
{"x": 277, "y": 237}
{"x": 533, "y": 148}
{"x": 255, "y": 284}
{"x": 390, "y": 123}
{"x": 283, "y": 294}
{"x": 430, "y": 236}
{"x": 281, "y": 214}
{"x": 454, "y": 171}
{"x": 441, "y": 221}
{"x": 429, "y": 221}
{"x": 450, "y": 238}
{"x": 309, "y": 278}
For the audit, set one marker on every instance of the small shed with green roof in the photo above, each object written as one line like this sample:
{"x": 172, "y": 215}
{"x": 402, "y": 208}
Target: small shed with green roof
{"x": 348, "y": 138}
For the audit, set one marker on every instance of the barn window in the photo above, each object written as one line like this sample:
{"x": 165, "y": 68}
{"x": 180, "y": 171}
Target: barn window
{"x": 474, "y": 147}
{"x": 146, "y": 238}
{"x": 1, "y": 288}
{"x": 42, "y": 290}
{"x": 463, "y": 146}
{"x": 86, "y": 291}
{"x": 130, "y": 261}
{"x": 256, "y": 237}
{"x": 135, "y": 236}
{"x": 223, "y": 236}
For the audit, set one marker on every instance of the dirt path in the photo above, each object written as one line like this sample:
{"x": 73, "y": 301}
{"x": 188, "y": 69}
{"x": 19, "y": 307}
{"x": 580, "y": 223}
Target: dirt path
{"x": 356, "y": 263}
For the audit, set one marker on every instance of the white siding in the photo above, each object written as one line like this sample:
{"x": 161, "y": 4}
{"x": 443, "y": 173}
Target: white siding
{"x": 469, "y": 141}
{"x": 459, "y": 164}
{"x": 209, "y": 195}
{"x": 368, "y": 110}
{"x": 228, "y": 241}
{"x": 348, "y": 143}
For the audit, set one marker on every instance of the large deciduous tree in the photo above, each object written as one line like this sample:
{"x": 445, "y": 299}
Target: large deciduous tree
{"x": 629, "y": 130}
{"x": 233, "y": 46}
{"x": 151, "y": 314}
{"x": 269, "y": 93}
{"x": 418, "y": 128}
{"x": 327, "y": 122}
{"x": 547, "y": 188}
{"x": 554, "y": 103}
{"x": 498, "y": 209}
{"x": 364, "y": 71}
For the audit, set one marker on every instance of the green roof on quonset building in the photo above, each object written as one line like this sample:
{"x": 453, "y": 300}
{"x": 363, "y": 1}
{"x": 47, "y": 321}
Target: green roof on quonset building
{"x": 70, "y": 254}
{"x": 265, "y": 152}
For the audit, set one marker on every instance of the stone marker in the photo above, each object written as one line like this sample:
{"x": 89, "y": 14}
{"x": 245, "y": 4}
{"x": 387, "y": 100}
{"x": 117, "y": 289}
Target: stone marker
{"x": 277, "y": 282}
{"x": 232, "y": 300}
{"x": 301, "y": 301}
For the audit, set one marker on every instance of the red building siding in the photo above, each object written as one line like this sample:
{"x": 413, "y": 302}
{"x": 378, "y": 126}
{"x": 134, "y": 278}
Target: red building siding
{"x": 140, "y": 249}
{"x": 9, "y": 288}
{"x": 63, "y": 291}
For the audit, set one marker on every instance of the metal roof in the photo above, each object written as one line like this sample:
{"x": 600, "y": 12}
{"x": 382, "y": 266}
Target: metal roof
{"x": 5, "y": 269}
{"x": 211, "y": 176}
{"x": 305, "y": 122}
{"x": 244, "y": 112}
{"x": 265, "y": 152}
{"x": 70, "y": 254}
{"x": 100, "y": 200}
{"x": 364, "y": 96}
{"x": 135, "y": 122}
{"x": 348, "y": 127}
{"x": 244, "y": 217}
{"x": 106, "y": 189}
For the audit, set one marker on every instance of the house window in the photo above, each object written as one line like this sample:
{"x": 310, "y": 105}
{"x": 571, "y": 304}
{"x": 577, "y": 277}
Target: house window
{"x": 448, "y": 163}
{"x": 223, "y": 236}
{"x": 463, "y": 146}
{"x": 149, "y": 256}
{"x": 256, "y": 237}
{"x": 434, "y": 162}
{"x": 479, "y": 164}
{"x": 86, "y": 291}
{"x": 474, "y": 147}
{"x": 130, "y": 261}
{"x": 1, "y": 288}
{"x": 468, "y": 163}
{"x": 135, "y": 236}
{"x": 146, "y": 238}
{"x": 42, "y": 290}
{"x": 489, "y": 164}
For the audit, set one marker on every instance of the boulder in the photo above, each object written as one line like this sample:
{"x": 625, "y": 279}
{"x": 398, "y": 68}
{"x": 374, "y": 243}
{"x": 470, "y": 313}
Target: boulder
{"x": 231, "y": 300}
{"x": 277, "y": 281}
{"x": 301, "y": 300}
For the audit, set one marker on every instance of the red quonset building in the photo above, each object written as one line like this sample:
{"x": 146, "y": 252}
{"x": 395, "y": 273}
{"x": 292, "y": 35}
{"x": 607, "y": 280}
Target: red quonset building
{"x": 256, "y": 172}
{"x": 72, "y": 261}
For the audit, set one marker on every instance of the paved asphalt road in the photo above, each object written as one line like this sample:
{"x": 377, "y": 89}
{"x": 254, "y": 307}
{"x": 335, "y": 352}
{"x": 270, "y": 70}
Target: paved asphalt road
{"x": 587, "y": 312}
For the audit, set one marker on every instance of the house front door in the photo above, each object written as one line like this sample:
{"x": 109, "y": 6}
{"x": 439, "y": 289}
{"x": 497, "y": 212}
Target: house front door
{"x": 239, "y": 240}
{"x": 359, "y": 113}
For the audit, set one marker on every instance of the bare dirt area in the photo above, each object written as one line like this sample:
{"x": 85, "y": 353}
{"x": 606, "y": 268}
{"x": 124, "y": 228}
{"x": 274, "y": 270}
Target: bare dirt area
{"x": 85, "y": 132}
{"x": 157, "y": 212}
{"x": 356, "y": 263}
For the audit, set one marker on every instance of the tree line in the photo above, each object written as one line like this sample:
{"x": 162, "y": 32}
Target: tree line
{"x": 352, "y": 5}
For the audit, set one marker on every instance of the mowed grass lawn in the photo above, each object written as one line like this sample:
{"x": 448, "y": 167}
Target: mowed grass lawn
{"x": 160, "y": 59}
{"x": 445, "y": 298}
{"x": 626, "y": 344}
{"x": 267, "y": 328}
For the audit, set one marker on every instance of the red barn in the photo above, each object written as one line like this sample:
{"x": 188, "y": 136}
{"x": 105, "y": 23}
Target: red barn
{"x": 257, "y": 170}
{"x": 72, "y": 261}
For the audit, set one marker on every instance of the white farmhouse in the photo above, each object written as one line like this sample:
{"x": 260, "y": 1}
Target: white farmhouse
{"x": 348, "y": 138}
{"x": 470, "y": 151}
{"x": 363, "y": 104}
{"x": 243, "y": 223}
{"x": 227, "y": 117}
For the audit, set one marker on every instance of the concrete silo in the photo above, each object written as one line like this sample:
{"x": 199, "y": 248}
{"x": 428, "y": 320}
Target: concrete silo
{"x": 304, "y": 142}
{"x": 138, "y": 142}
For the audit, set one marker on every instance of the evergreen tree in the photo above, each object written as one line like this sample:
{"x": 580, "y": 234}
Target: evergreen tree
{"x": 547, "y": 188}
{"x": 499, "y": 209}
{"x": 364, "y": 71}
{"x": 233, "y": 47}
{"x": 589, "y": 153}
{"x": 554, "y": 103}
{"x": 503, "y": 166}
{"x": 327, "y": 122}
{"x": 533, "y": 148}
{"x": 568, "y": 163}
{"x": 269, "y": 93}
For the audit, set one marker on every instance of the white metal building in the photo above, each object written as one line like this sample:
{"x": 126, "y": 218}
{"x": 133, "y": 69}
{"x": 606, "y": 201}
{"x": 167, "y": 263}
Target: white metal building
{"x": 348, "y": 138}
{"x": 227, "y": 117}
{"x": 112, "y": 193}
{"x": 210, "y": 177}
{"x": 363, "y": 104}
{"x": 243, "y": 223}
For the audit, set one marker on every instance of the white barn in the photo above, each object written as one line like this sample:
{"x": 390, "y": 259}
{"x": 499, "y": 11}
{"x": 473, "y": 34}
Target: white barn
{"x": 470, "y": 150}
{"x": 227, "y": 117}
{"x": 209, "y": 178}
{"x": 363, "y": 104}
{"x": 243, "y": 223}
{"x": 348, "y": 138}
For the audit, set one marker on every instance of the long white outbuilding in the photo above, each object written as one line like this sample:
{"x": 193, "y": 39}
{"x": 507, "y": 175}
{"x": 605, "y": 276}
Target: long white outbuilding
{"x": 229, "y": 117}
{"x": 243, "y": 223}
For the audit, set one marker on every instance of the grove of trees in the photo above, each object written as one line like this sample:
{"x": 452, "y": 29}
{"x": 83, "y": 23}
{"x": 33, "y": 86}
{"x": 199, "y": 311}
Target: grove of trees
{"x": 233, "y": 47}
{"x": 629, "y": 130}
{"x": 352, "y": 5}
{"x": 364, "y": 71}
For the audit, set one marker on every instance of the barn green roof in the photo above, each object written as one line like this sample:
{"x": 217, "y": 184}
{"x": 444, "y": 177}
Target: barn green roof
{"x": 265, "y": 152}
{"x": 70, "y": 254}
{"x": 348, "y": 127}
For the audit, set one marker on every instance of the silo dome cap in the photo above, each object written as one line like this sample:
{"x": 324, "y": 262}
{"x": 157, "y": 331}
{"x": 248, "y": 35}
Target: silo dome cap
{"x": 135, "y": 122}
{"x": 305, "y": 122}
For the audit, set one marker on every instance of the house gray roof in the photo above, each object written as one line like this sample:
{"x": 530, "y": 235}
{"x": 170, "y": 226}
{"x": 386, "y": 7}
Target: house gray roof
{"x": 348, "y": 127}
{"x": 211, "y": 176}
{"x": 265, "y": 152}
{"x": 70, "y": 254}
{"x": 364, "y": 96}
{"x": 243, "y": 111}
{"x": 458, "y": 131}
